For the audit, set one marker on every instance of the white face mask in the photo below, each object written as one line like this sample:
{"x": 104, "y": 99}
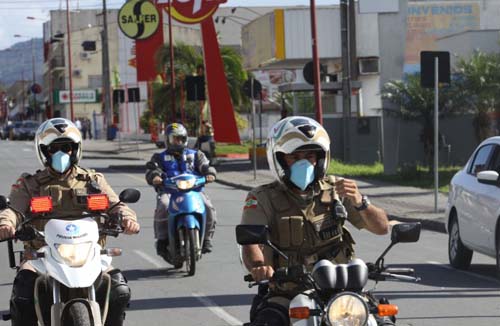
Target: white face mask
{"x": 60, "y": 161}
{"x": 302, "y": 173}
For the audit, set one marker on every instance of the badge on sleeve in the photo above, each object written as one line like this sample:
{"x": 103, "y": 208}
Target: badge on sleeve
{"x": 18, "y": 184}
{"x": 250, "y": 202}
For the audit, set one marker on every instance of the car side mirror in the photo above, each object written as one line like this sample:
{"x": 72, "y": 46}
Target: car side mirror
{"x": 488, "y": 177}
{"x": 406, "y": 232}
{"x": 252, "y": 234}
{"x": 4, "y": 202}
{"x": 130, "y": 195}
{"x": 151, "y": 165}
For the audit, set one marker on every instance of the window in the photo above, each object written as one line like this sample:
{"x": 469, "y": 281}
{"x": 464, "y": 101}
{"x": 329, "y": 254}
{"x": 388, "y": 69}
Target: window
{"x": 480, "y": 162}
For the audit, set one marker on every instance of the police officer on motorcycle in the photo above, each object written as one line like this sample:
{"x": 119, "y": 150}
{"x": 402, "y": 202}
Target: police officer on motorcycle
{"x": 58, "y": 145}
{"x": 305, "y": 211}
{"x": 175, "y": 160}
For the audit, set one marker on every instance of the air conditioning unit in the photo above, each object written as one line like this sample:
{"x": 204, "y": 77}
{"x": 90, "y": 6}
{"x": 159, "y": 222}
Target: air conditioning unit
{"x": 84, "y": 56}
{"x": 77, "y": 73}
{"x": 368, "y": 66}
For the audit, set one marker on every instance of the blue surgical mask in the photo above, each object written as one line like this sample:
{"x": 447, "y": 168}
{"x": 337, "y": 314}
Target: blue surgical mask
{"x": 302, "y": 173}
{"x": 60, "y": 161}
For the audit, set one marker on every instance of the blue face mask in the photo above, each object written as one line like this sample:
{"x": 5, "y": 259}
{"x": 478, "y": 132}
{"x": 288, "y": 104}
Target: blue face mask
{"x": 302, "y": 173}
{"x": 60, "y": 161}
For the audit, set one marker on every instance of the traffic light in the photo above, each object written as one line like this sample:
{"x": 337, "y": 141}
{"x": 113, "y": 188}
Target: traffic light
{"x": 195, "y": 88}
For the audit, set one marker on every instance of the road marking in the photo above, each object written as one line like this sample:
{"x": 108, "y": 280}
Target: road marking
{"x": 27, "y": 150}
{"x": 221, "y": 313}
{"x": 150, "y": 259}
{"x": 479, "y": 276}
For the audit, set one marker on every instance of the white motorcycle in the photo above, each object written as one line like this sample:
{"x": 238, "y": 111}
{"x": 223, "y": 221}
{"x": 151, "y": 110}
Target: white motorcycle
{"x": 71, "y": 265}
{"x": 334, "y": 294}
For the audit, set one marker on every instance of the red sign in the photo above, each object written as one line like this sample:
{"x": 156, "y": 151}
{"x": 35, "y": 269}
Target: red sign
{"x": 145, "y": 53}
{"x": 193, "y": 11}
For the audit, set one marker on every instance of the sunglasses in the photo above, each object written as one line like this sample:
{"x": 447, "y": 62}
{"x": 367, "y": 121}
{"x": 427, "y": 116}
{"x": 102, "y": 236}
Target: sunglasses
{"x": 54, "y": 148}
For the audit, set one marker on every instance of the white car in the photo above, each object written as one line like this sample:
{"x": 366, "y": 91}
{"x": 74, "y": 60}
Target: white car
{"x": 473, "y": 208}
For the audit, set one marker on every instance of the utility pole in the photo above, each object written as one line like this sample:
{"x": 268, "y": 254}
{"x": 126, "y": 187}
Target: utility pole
{"x": 108, "y": 108}
{"x": 70, "y": 68}
{"x": 35, "y": 111}
{"x": 346, "y": 76}
{"x": 316, "y": 72}
{"x": 172, "y": 71}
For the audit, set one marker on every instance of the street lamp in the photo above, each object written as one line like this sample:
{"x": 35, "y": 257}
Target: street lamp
{"x": 32, "y": 88}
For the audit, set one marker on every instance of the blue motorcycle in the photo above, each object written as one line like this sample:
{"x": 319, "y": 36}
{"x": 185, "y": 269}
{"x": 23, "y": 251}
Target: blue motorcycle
{"x": 186, "y": 220}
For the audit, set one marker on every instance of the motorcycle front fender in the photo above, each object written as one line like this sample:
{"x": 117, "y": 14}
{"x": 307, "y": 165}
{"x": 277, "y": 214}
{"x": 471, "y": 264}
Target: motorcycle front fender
{"x": 187, "y": 221}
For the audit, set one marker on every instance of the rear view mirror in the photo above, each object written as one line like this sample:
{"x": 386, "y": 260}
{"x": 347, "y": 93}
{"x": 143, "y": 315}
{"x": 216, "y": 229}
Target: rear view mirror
{"x": 4, "y": 202}
{"x": 151, "y": 165}
{"x": 130, "y": 195}
{"x": 252, "y": 234}
{"x": 489, "y": 177}
{"x": 406, "y": 232}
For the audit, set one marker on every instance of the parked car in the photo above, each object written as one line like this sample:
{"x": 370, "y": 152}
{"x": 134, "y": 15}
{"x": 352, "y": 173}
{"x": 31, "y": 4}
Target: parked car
{"x": 6, "y": 128}
{"x": 473, "y": 208}
{"x": 24, "y": 130}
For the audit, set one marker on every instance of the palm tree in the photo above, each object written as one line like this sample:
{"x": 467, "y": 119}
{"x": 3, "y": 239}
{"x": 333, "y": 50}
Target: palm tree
{"x": 187, "y": 60}
{"x": 477, "y": 89}
{"x": 417, "y": 104}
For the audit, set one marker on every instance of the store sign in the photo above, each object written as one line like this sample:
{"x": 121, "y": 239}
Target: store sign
{"x": 138, "y": 19}
{"x": 192, "y": 11}
{"x": 79, "y": 96}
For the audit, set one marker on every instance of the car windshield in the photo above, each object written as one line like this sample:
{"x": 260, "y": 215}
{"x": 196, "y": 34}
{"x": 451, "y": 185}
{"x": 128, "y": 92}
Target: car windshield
{"x": 17, "y": 124}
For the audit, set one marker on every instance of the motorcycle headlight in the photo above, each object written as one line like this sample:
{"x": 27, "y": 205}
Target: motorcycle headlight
{"x": 74, "y": 255}
{"x": 185, "y": 184}
{"x": 347, "y": 309}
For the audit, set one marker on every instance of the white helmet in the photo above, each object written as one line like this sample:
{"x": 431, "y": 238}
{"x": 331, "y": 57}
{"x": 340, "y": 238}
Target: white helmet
{"x": 58, "y": 130}
{"x": 297, "y": 133}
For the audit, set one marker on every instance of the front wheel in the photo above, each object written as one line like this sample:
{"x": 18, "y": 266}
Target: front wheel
{"x": 459, "y": 255}
{"x": 191, "y": 245}
{"x": 498, "y": 252}
{"x": 77, "y": 315}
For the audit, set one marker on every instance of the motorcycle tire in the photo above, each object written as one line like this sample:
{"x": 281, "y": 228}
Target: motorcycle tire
{"x": 190, "y": 243}
{"x": 77, "y": 315}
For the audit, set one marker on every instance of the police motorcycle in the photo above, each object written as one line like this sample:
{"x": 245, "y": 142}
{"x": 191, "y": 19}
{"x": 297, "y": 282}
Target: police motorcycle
{"x": 186, "y": 219}
{"x": 71, "y": 264}
{"x": 333, "y": 294}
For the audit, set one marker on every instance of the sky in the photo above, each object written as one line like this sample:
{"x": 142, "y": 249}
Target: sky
{"x": 14, "y": 13}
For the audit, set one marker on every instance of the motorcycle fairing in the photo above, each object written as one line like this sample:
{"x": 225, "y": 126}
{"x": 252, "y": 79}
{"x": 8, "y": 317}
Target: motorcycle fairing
{"x": 70, "y": 232}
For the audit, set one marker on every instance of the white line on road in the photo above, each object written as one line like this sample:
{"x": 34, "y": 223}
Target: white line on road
{"x": 221, "y": 313}
{"x": 482, "y": 277}
{"x": 150, "y": 259}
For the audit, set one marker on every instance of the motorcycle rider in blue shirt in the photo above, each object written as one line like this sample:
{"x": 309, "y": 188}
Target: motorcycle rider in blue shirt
{"x": 175, "y": 160}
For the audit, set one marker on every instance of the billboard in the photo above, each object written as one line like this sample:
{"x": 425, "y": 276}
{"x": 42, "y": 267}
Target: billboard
{"x": 428, "y": 21}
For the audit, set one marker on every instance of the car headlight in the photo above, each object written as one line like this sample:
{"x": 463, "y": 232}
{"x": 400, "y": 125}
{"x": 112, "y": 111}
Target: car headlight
{"x": 347, "y": 309}
{"x": 185, "y": 184}
{"x": 74, "y": 255}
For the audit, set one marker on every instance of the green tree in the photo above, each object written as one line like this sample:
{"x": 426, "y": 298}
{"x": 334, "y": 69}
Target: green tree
{"x": 415, "y": 103}
{"x": 477, "y": 89}
{"x": 187, "y": 59}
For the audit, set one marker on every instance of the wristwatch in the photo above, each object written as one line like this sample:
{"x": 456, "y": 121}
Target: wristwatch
{"x": 365, "y": 202}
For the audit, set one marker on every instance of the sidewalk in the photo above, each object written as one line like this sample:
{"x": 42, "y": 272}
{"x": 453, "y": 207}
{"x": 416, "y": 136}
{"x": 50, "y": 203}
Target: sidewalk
{"x": 401, "y": 203}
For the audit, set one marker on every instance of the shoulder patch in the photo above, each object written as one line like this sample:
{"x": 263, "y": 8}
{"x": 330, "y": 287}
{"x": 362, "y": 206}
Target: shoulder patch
{"x": 250, "y": 202}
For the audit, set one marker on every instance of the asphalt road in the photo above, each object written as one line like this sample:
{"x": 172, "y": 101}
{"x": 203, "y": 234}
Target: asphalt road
{"x": 216, "y": 294}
